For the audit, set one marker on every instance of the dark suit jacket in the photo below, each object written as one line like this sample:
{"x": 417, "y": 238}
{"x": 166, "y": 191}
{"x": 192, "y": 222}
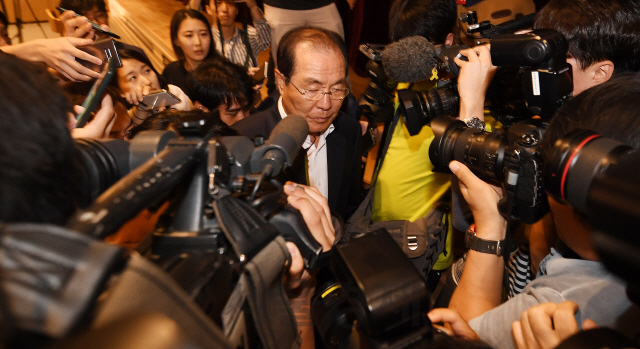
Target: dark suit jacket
{"x": 343, "y": 157}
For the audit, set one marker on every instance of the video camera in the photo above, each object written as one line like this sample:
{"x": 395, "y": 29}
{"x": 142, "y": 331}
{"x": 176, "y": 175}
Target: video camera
{"x": 215, "y": 225}
{"x": 545, "y": 75}
{"x": 376, "y": 103}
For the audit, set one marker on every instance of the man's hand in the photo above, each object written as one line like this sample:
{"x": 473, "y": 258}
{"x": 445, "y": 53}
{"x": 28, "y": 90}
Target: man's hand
{"x": 61, "y": 53}
{"x": 256, "y": 14}
{"x": 483, "y": 202}
{"x": 100, "y": 126}
{"x": 473, "y": 80}
{"x": 546, "y": 325}
{"x": 453, "y": 320}
{"x": 76, "y": 27}
{"x": 315, "y": 211}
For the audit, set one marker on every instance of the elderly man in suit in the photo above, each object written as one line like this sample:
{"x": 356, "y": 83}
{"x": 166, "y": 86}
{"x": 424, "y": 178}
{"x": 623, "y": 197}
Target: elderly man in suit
{"x": 311, "y": 79}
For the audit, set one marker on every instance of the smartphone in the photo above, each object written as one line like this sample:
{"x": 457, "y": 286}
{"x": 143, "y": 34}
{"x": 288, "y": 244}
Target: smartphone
{"x": 96, "y": 92}
{"x": 105, "y": 50}
{"x": 158, "y": 99}
{"x": 260, "y": 74}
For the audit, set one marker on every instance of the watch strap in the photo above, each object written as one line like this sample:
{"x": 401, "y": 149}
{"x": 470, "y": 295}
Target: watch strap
{"x": 499, "y": 248}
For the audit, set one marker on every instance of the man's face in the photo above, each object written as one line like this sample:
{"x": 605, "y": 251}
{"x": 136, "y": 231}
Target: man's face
{"x": 226, "y": 12}
{"x": 234, "y": 113}
{"x": 99, "y": 17}
{"x": 314, "y": 70}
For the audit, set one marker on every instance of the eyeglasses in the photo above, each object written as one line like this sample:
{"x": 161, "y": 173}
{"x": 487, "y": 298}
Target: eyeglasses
{"x": 316, "y": 95}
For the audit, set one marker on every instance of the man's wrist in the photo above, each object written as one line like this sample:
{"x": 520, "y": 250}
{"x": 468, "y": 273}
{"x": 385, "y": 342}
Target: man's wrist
{"x": 498, "y": 247}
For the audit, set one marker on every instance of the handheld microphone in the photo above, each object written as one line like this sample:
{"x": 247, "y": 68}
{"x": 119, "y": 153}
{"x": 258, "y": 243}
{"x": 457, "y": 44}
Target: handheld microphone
{"x": 281, "y": 148}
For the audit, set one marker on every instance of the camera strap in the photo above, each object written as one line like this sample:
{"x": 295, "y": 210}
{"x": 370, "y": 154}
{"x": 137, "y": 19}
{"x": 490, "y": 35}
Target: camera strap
{"x": 260, "y": 294}
{"x": 422, "y": 240}
{"x": 51, "y": 277}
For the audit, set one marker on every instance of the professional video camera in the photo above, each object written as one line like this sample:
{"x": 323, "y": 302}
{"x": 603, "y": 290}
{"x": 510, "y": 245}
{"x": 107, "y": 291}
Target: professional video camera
{"x": 221, "y": 213}
{"x": 373, "y": 286}
{"x": 376, "y": 103}
{"x": 217, "y": 224}
{"x": 546, "y": 76}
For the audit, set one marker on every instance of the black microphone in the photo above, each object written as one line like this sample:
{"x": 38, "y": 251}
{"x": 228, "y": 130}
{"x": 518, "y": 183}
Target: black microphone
{"x": 413, "y": 58}
{"x": 281, "y": 148}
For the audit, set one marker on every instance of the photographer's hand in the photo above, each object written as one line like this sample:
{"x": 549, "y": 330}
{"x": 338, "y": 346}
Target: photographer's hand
{"x": 546, "y": 325}
{"x": 452, "y": 319}
{"x": 480, "y": 287}
{"x": 473, "y": 81}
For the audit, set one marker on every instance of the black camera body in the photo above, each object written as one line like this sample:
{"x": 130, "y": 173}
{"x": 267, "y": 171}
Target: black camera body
{"x": 376, "y": 103}
{"x": 512, "y": 160}
{"x": 373, "y": 287}
{"x": 545, "y": 75}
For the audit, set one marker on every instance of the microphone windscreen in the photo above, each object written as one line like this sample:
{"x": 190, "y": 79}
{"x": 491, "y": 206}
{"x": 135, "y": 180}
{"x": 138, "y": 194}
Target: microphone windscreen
{"x": 290, "y": 134}
{"x": 410, "y": 59}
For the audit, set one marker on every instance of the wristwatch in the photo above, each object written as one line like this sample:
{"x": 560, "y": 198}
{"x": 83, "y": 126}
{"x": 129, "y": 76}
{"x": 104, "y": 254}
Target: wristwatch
{"x": 499, "y": 248}
{"x": 476, "y": 123}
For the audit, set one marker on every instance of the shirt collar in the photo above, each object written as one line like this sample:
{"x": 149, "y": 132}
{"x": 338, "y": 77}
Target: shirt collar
{"x": 217, "y": 32}
{"x": 307, "y": 142}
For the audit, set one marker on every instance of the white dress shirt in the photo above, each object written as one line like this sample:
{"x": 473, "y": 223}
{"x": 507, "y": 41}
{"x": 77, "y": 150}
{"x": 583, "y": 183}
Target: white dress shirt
{"x": 316, "y": 157}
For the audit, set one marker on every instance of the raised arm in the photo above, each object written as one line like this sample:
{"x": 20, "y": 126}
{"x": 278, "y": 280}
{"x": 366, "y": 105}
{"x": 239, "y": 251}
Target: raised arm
{"x": 480, "y": 287}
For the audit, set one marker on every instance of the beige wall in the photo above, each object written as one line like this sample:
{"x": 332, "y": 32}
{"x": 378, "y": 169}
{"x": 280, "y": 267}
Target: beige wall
{"x": 38, "y": 7}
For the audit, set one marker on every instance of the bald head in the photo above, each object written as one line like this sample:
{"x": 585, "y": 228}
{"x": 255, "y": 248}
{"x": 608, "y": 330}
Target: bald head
{"x": 312, "y": 38}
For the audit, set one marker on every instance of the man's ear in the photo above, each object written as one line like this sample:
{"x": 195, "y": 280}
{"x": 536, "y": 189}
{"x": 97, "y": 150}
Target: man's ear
{"x": 279, "y": 80}
{"x": 199, "y": 105}
{"x": 449, "y": 39}
{"x": 603, "y": 71}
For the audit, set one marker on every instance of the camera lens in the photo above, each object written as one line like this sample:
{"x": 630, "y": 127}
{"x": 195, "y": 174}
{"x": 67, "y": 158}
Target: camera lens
{"x": 483, "y": 152}
{"x": 420, "y": 107}
{"x": 103, "y": 163}
{"x": 574, "y": 162}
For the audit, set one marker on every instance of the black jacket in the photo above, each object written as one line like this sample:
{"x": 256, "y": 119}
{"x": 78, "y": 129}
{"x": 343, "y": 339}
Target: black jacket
{"x": 343, "y": 157}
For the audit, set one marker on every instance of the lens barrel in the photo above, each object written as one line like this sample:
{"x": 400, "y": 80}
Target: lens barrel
{"x": 574, "y": 163}
{"x": 420, "y": 107}
{"x": 483, "y": 152}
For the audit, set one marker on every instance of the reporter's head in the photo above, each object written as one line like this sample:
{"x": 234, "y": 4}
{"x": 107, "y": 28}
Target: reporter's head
{"x": 38, "y": 180}
{"x": 609, "y": 109}
{"x": 604, "y": 37}
{"x": 432, "y": 19}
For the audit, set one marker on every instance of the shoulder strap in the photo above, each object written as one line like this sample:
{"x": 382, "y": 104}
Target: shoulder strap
{"x": 387, "y": 141}
{"x": 363, "y": 216}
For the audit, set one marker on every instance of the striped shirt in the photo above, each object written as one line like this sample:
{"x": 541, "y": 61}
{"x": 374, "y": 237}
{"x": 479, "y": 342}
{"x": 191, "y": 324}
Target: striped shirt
{"x": 234, "y": 49}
